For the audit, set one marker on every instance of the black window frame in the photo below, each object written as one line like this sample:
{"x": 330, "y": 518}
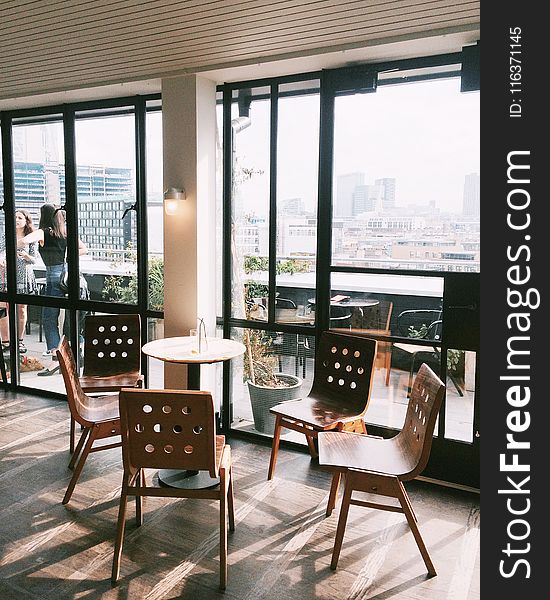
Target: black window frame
{"x": 68, "y": 114}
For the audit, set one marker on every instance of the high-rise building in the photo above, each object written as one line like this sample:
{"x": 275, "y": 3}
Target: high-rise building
{"x": 345, "y": 187}
{"x": 367, "y": 198}
{"x": 36, "y": 182}
{"x": 388, "y": 195}
{"x": 103, "y": 195}
{"x": 470, "y": 202}
{"x": 293, "y": 206}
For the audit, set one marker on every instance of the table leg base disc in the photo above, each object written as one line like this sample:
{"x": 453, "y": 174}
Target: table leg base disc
{"x": 187, "y": 480}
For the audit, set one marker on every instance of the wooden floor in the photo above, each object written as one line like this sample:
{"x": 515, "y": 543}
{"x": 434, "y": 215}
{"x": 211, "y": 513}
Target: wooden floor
{"x": 280, "y": 549}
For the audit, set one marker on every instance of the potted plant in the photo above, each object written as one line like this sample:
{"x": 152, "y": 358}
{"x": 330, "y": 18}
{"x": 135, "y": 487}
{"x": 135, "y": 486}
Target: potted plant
{"x": 266, "y": 386}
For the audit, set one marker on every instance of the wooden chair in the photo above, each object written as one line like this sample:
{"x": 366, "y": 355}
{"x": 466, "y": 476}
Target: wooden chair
{"x": 377, "y": 322}
{"x": 172, "y": 429}
{"x": 112, "y": 355}
{"x": 339, "y": 396}
{"x": 98, "y": 416}
{"x": 379, "y": 466}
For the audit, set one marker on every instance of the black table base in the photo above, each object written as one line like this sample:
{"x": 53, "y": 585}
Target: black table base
{"x": 187, "y": 480}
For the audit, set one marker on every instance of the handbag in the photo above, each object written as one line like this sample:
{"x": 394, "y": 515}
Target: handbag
{"x": 64, "y": 279}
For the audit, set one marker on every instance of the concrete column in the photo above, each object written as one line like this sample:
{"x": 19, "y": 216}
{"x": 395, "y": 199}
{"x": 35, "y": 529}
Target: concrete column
{"x": 189, "y": 162}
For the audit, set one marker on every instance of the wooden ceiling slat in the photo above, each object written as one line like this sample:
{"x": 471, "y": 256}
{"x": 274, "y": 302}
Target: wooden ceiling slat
{"x": 149, "y": 39}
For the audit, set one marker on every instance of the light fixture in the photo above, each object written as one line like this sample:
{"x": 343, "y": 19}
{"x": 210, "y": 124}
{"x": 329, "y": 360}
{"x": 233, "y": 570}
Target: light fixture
{"x": 172, "y": 199}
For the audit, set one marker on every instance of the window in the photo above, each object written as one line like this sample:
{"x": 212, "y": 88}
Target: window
{"x": 84, "y": 159}
{"x": 357, "y": 212}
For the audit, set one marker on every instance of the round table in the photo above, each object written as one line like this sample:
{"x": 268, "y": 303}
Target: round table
{"x": 185, "y": 350}
{"x": 355, "y": 302}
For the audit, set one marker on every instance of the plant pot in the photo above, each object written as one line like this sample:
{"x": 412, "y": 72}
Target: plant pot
{"x": 263, "y": 398}
{"x": 155, "y": 329}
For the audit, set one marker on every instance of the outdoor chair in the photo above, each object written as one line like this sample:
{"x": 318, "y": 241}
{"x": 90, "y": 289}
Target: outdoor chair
{"x": 379, "y": 466}
{"x": 339, "y": 396}
{"x": 427, "y": 325}
{"x": 97, "y": 415}
{"x": 172, "y": 429}
{"x": 376, "y": 321}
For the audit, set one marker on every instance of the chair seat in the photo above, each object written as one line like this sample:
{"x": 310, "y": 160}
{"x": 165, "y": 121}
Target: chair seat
{"x": 368, "y": 453}
{"x": 412, "y": 348}
{"x": 319, "y": 413}
{"x": 101, "y": 408}
{"x": 110, "y": 383}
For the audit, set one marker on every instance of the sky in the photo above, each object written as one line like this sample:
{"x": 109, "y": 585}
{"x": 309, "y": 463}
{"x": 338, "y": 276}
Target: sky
{"x": 425, "y": 135}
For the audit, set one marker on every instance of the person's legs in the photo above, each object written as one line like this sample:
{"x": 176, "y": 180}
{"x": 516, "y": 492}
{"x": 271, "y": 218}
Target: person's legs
{"x": 21, "y": 323}
{"x": 4, "y": 325}
{"x": 50, "y": 314}
{"x": 50, "y": 322}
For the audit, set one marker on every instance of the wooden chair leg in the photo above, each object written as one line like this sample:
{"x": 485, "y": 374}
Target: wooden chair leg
{"x": 274, "y": 447}
{"x": 72, "y": 435}
{"x": 140, "y": 482}
{"x": 411, "y": 520}
{"x": 230, "y": 502}
{"x": 79, "y": 465}
{"x": 342, "y": 519}
{"x": 120, "y": 531}
{"x": 224, "y": 491}
{"x": 76, "y": 451}
{"x": 311, "y": 446}
{"x": 333, "y": 492}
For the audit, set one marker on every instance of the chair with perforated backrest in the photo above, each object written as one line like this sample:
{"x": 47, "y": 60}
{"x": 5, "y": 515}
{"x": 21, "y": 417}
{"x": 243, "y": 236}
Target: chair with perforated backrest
{"x": 377, "y": 322}
{"x": 97, "y": 415}
{"x": 379, "y": 466}
{"x": 172, "y": 429}
{"x": 112, "y": 355}
{"x": 339, "y": 396}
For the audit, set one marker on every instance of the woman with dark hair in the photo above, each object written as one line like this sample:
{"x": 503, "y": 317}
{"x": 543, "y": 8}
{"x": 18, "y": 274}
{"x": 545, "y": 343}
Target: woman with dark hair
{"x": 51, "y": 236}
{"x": 26, "y": 283}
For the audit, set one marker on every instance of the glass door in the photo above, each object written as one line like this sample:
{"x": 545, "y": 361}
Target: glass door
{"x": 403, "y": 189}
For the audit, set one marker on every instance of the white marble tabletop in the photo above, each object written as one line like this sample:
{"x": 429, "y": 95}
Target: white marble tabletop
{"x": 186, "y": 350}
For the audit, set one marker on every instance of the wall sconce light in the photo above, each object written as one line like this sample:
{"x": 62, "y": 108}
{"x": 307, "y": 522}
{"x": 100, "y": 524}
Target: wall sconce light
{"x": 172, "y": 199}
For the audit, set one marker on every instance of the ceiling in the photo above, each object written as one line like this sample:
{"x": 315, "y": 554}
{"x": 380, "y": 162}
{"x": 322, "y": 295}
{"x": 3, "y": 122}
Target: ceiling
{"x": 65, "y": 51}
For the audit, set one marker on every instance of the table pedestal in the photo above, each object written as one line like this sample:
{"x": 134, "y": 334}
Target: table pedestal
{"x": 187, "y": 480}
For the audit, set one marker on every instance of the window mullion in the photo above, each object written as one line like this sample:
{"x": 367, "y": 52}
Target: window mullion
{"x": 273, "y": 201}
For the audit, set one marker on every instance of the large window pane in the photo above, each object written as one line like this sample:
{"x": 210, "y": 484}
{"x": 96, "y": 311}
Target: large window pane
{"x": 39, "y": 178}
{"x": 297, "y": 175}
{"x": 250, "y": 120}
{"x": 268, "y": 352}
{"x": 461, "y": 383}
{"x": 406, "y": 178}
{"x": 390, "y": 305}
{"x": 37, "y": 369}
{"x": 105, "y": 159}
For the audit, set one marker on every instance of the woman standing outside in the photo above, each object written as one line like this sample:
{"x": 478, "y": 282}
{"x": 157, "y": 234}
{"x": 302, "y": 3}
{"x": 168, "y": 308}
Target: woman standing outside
{"x": 51, "y": 236}
{"x": 26, "y": 283}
